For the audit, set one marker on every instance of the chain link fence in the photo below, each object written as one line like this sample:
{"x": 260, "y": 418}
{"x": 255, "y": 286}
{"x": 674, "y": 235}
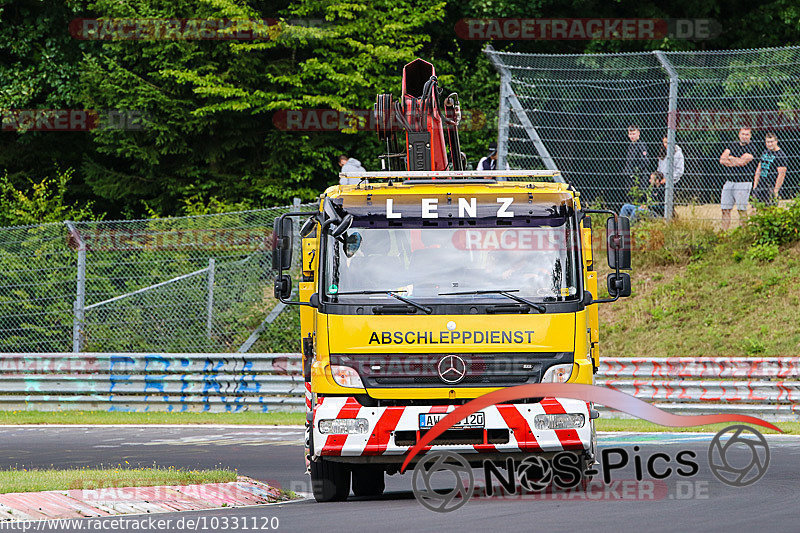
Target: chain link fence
{"x": 572, "y": 113}
{"x": 185, "y": 284}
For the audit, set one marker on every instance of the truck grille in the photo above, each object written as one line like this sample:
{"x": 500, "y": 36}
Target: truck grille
{"x": 481, "y": 369}
{"x": 455, "y": 436}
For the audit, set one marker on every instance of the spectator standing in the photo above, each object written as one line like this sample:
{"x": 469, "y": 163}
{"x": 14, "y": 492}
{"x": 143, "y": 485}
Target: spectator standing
{"x": 635, "y": 171}
{"x": 637, "y": 161}
{"x": 770, "y": 172}
{"x": 658, "y": 179}
{"x": 490, "y": 161}
{"x": 350, "y": 164}
{"x": 738, "y": 158}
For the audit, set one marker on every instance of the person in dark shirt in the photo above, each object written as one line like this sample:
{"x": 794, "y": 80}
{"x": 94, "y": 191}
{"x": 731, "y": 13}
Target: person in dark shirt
{"x": 490, "y": 161}
{"x": 636, "y": 172}
{"x": 771, "y": 172}
{"x": 637, "y": 162}
{"x": 738, "y": 158}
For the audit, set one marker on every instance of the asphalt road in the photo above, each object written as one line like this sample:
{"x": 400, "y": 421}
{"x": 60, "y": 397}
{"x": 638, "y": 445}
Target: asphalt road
{"x": 274, "y": 455}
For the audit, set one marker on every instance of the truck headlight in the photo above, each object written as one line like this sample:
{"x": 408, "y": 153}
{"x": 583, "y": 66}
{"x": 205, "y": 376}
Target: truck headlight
{"x": 346, "y": 376}
{"x": 557, "y": 374}
{"x": 343, "y": 426}
{"x": 559, "y": 421}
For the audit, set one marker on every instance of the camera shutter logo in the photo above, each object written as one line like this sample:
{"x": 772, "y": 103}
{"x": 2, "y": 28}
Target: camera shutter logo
{"x": 443, "y": 501}
{"x": 452, "y": 369}
{"x": 726, "y": 461}
{"x": 534, "y": 473}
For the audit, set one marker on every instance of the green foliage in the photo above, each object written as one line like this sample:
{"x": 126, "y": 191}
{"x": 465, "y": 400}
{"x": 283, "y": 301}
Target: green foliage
{"x": 197, "y": 205}
{"x": 357, "y": 52}
{"x": 42, "y": 202}
{"x": 776, "y": 225}
{"x": 39, "y": 63}
{"x": 763, "y": 252}
{"x": 753, "y": 346}
{"x": 209, "y": 105}
{"x": 641, "y": 196}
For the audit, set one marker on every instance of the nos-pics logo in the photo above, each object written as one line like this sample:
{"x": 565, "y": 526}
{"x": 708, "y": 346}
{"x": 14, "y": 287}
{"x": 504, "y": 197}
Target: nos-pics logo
{"x": 737, "y": 456}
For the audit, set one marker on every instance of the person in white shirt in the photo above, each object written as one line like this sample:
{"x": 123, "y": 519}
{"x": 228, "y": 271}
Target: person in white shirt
{"x": 658, "y": 181}
{"x": 350, "y": 164}
{"x": 490, "y": 161}
{"x": 659, "y": 177}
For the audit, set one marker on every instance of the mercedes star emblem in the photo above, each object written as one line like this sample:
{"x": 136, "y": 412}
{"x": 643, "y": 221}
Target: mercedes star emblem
{"x": 452, "y": 369}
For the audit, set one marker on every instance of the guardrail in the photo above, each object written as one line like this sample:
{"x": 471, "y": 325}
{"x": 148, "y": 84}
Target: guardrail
{"x": 767, "y": 387}
{"x": 151, "y": 382}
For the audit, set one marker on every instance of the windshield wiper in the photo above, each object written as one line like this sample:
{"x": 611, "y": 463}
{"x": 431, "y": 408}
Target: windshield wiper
{"x": 425, "y": 309}
{"x": 506, "y": 293}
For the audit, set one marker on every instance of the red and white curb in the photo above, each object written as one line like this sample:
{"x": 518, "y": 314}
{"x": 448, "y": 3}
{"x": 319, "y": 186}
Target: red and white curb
{"x": 83, "y": 503}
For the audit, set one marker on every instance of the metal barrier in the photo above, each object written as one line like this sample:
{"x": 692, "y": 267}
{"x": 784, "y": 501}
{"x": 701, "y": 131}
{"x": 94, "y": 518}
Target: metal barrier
{"x": 766, "y": 387}
{"x": 223, "y": 382}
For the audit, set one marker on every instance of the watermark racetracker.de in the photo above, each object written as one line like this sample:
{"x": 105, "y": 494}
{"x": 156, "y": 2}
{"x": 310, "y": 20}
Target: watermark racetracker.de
{"x": 183, "y": 29}
{"x": 583, "y": 29}
{"x": 72, "y": 120}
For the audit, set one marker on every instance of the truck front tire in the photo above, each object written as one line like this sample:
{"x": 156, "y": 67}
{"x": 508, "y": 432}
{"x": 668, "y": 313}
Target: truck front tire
{"x": 330, "y": 481}
{"x": 368, "y": 480}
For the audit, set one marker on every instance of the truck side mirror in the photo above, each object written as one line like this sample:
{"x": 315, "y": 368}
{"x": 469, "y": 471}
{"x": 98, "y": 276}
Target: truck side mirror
{"x": 619, "y": 284}
{"x": 330, "y": 211}
{"x": 343, "y": 226}
{"x": 282, "y": 289}
{"x": 282, "y": 230}
{"x": 618, "y": 241}
{"x": 308, "y": 227}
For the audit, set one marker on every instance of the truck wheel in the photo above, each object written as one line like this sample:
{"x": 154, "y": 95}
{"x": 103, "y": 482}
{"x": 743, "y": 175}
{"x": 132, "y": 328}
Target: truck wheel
{"x": 330, "y": 481}
{"x": 368, "y": 480}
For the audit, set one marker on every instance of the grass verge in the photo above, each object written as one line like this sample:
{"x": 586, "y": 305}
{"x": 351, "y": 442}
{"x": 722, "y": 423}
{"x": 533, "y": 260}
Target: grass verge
{"x": 266, "y": 419}
{"x": 700, "y": 292}
{"x": 625, "y": 424}
{"x": 106, "y": 417}
{"x": 93, "y": 478}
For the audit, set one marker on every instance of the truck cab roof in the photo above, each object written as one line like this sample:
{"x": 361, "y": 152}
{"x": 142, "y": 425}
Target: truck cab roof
{"x": 473, "y": 181}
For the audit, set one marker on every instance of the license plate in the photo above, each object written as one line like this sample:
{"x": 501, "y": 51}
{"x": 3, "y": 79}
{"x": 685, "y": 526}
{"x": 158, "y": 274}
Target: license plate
{"x": 428, "y": 420}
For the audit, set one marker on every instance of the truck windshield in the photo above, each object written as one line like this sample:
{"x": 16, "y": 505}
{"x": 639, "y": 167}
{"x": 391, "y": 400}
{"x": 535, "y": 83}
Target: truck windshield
{"x": 536, "y": 262}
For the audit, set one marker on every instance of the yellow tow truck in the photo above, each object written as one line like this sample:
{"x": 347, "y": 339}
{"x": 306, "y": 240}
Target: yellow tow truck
{"x": 425, "y": 285}
{"x": 424, "y": 290}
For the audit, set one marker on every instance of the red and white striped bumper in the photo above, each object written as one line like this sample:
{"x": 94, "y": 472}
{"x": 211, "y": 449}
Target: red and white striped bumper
{"x": 384, "y": 422}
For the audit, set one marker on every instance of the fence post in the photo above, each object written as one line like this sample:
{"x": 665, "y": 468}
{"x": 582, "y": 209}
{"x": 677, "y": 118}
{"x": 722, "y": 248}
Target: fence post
{"x": 502, "y": 123}
{"x": 672, "y": 119}
{"x": 79, "y": 306}
{"x": 210, "y": 300}
{"x": 521, "y": 114}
